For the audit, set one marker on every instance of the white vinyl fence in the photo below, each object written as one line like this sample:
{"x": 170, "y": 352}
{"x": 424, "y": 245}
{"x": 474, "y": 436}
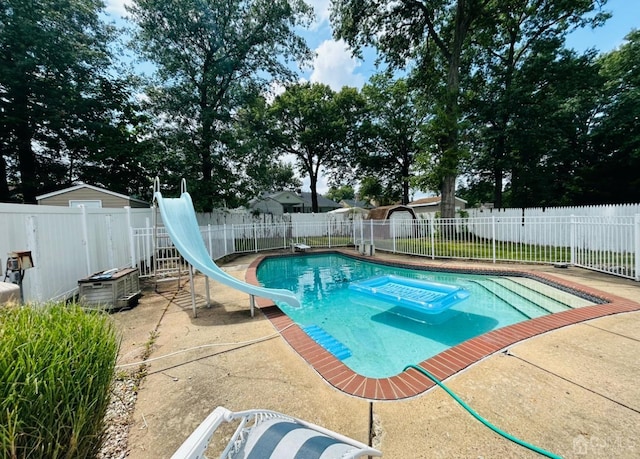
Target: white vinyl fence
{"x": 68, "y": 244}
{"x": 606, "y": 244}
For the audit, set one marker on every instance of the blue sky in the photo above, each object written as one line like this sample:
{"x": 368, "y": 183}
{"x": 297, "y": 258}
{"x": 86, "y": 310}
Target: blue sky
{"x": 335, "y": 66}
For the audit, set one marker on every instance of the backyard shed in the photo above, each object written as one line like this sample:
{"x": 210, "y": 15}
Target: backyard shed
{"x": 89, "y": 196}
{"x": 385, "y": 212}
{"x": 429, "y": 206}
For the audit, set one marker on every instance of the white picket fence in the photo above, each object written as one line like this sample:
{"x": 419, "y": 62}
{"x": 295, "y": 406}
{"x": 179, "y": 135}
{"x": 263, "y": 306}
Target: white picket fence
{"x": 604, "y": 210}
{"x": 68, "y": 244}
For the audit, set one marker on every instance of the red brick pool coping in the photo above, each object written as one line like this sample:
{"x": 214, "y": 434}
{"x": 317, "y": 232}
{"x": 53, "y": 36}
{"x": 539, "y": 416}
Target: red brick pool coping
{"x": 411, "y": 382}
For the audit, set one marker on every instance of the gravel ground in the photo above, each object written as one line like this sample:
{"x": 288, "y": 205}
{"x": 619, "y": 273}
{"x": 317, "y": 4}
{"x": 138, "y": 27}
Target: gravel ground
{"x": 123, "y": 399}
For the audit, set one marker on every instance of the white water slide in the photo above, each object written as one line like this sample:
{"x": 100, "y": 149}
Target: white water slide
{"x": 179, "y": 218}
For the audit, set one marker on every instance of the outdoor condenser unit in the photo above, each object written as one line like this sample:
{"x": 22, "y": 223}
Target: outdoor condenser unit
{"x": 112, "y": 289}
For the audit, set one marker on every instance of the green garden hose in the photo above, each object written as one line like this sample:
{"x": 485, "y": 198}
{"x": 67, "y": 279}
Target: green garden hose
{"x": 480, "y": 418}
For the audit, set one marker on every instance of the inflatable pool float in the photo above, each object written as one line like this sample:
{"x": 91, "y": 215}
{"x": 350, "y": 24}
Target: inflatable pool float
{"x": 426, "y": 296}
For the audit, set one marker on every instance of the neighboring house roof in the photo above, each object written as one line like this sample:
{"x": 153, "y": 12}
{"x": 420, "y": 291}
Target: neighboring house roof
{"x": 322, "y": 201}
{"x": 356, "y": 203}
{"x": 90, "y": 187}
{"x": 384, "y": 212}
{"x": 290, "y": 200}
{"x": 283, "y": 197}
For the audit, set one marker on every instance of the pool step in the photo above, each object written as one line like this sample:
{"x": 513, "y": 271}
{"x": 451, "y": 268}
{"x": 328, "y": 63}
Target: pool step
{"x": 518, "y": 302}
{"x": 533, "y": 292}
{"x": 324, "y": 339}
{"x": 568, "y": 300}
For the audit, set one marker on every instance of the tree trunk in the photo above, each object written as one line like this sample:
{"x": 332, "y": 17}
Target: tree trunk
{"x": 448, "y": 209}
{"x": 449, "y": 143}
{"x": 4, "y": 184}
{"x": 500, "y": 151}
{"x": 27, "y": 162}
{"x": 206, "y": 166}
{"x": 313, "y": 179}
{"x": 498, "y": 175}
{"x": 207, "y": 179}
{"x": 405, "y": 179}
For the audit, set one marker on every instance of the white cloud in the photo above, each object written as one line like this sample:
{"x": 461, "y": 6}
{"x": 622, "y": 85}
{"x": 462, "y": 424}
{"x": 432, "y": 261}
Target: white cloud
{"x": 274, "y": 90}
{"x": 321, "y": 9}
{"x": 116, "y": 7}
{"x": 321, "y": 187}
{"x": 335, "y": 66}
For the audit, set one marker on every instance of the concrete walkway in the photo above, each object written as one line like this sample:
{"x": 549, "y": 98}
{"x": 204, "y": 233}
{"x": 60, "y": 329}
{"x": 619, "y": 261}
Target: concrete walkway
{"x": 573, "y": 391}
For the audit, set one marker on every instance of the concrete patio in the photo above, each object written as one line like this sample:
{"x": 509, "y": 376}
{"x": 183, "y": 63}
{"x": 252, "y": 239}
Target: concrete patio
{"x": 573, "y": 391}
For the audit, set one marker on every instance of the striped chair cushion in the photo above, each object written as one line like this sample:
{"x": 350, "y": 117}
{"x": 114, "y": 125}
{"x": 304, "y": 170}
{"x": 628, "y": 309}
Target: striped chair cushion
{"x": 284, "y": 439}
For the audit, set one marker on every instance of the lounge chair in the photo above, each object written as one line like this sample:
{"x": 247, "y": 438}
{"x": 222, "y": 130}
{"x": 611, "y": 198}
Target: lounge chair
{"x": 299, "y": 247}
{"x": 263, "y": 434}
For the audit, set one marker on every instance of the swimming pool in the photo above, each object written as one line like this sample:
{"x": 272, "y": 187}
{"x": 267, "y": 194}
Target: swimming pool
{"x": 382, "y": 338}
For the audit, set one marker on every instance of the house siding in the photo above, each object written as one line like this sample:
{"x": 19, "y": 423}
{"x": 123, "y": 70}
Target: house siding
{"x": 108, "y": 200}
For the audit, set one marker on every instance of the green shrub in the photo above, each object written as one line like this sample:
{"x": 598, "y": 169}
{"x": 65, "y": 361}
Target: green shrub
{"x": 56, "y": 367}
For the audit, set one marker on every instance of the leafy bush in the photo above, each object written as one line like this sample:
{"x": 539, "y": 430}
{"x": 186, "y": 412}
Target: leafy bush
{"x": 56, "y": 367}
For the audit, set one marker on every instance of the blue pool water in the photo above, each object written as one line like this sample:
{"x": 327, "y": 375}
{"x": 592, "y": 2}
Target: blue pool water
{"x": 377, "y": 338}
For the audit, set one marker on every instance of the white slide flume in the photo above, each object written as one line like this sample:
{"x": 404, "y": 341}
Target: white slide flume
{"x": 179, "y": 218}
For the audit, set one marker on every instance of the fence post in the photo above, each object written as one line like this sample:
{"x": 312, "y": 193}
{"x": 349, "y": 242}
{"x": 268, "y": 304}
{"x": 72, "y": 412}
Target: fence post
{"x": 432, "y": 237}
{"x": 35, "y": 280}
{"x": 354, "y": 232}
{"x": 493, "y": 237}
{"x": 151, "y": 242}
{"x": 371, "y": 232}
{"x": 110, "y": 246}
{"x": 284, "y": 235}
{"x": 255, "y": 238}
{"x": 572, "y": 241}
{"x": 233, "y": 237}
{"x": 329, "y": 231}
{"x": 85, "y": 238}
{"x": 224, "y": 236}
{"x": 393, "y": 233}
{"x": 132, "y": 249}
{"x": 636, "y": 231}
{"x": 209, "y": 238}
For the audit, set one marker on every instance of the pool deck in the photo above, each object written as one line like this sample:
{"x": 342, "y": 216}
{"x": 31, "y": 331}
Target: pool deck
{"x": 571, "y": 389}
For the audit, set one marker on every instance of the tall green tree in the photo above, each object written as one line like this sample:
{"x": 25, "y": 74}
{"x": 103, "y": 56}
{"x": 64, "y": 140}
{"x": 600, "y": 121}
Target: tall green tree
{"x": 548, "y": 138}
{"x": 263, "y": 170}
{"x": 450, "y": 40}
{"x": 211, "y": 58}
{"x": 380, "y": 194}
{"x": 54, "y": 70}
{"x": 337, "y": 194}
{"x": 397, "y": 114}
{"x": 611, "y": 173}
{"x": 521, "y": 33}
{"x": 318, "y": 127}
{"x": 432, "y": 36}
{"x": 120, "y": 156}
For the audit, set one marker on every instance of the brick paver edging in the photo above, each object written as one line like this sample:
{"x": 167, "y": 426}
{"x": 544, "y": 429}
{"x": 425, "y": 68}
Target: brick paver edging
{"x": 411, "y": 382}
